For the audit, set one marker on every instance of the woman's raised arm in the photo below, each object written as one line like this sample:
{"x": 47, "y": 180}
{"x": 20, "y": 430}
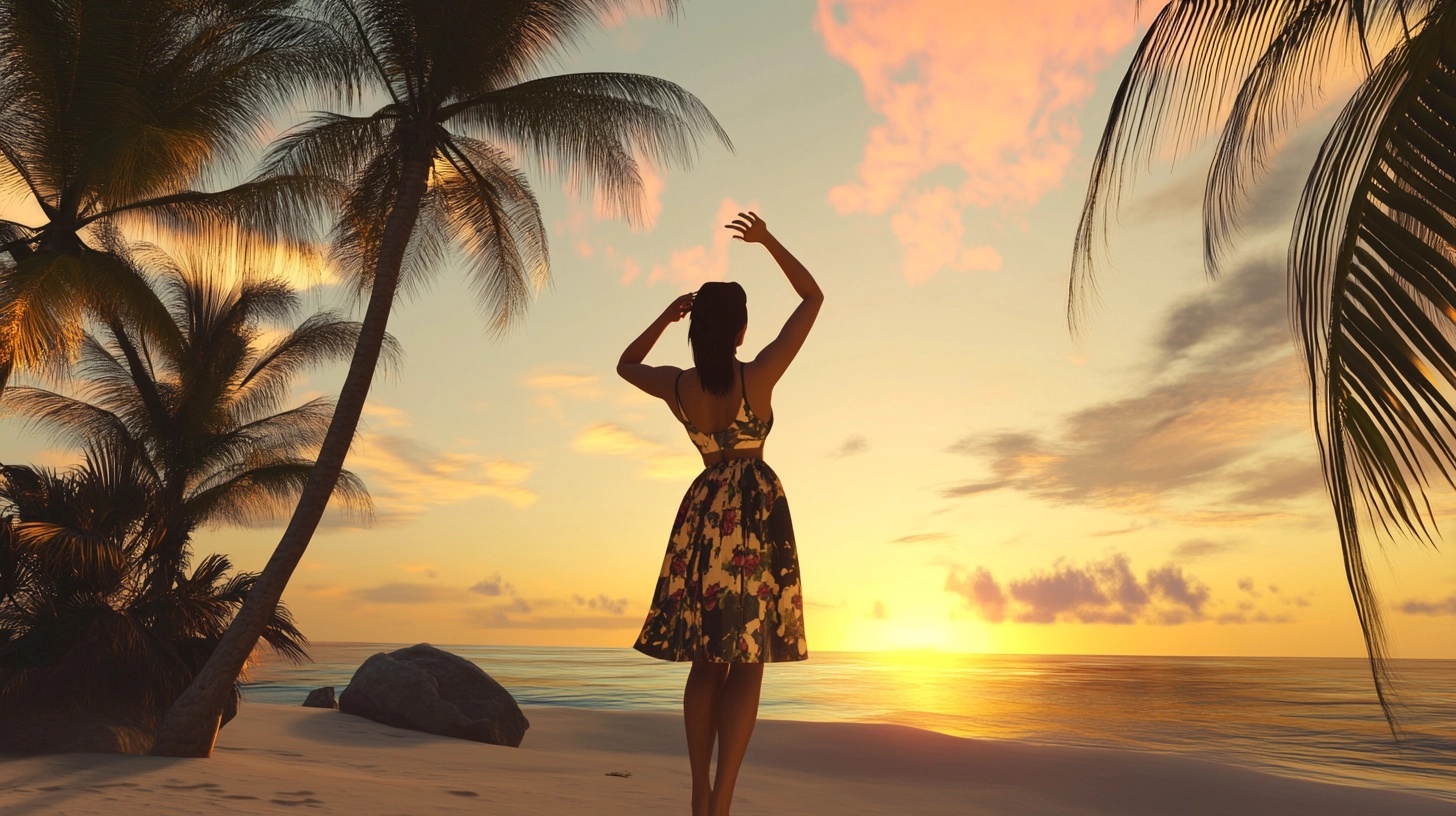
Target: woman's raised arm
{"x": 774, "y": 360}
{"x": 655, "y": 380}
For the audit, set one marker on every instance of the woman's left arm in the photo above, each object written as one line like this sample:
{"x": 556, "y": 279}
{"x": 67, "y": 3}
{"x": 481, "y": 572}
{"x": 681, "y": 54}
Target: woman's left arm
{"x": 655, "y": 380}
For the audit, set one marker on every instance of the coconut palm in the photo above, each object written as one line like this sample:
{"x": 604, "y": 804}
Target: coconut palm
{"x": 432, "y": 169}
{"x": 1372, "y": 259}
{"x": 83, "y": 626}
{"x": 201, "y": 400}
{"x": 112, "y": 108}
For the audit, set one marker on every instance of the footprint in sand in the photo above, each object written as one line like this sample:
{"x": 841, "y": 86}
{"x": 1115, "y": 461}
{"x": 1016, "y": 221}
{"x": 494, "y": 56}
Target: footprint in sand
{"x": 198, "y": 786}
{"x": 309, "y": 801}
{"x": 238, "y": 796}
{"x": 462, "y": 793}
{"x": 115, "y": 785}
{"x": 51, "y": 788}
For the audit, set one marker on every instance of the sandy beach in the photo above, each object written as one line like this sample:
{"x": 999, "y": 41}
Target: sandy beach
{"x": 282, "y": 759}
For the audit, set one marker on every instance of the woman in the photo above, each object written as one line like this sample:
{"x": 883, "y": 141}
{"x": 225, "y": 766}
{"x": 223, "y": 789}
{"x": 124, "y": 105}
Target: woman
{"x": 728, "y": 598}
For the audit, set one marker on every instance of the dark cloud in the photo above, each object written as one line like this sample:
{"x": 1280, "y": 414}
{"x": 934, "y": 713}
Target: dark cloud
{"x": 1105, "y": 591}
{"x": 1240, "y": 319}
{"x": 1247, "y": 585}
{"x": 1223, "y": 384}
{"x": 1418, "y": 607}
{"x": 960, "y": 491}
{"x": 1276, "y": 479}
{"x": 492, "y": 619}
{"x": 852, "y": 446}
{"x": 1252, "y": 616}
{"x": 980, "y": 591}
{"x": 405, "y": 593}
{"x": 493, "y": 587}
{"x": 919, "y": 538}
{"x": 1132, "y": 528}
{"x": 1200, "y": 548}
{"x": 612, "y": 606}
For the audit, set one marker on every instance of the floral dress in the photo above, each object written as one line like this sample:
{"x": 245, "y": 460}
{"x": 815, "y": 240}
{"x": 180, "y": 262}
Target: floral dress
{"x": 729, "y": 589}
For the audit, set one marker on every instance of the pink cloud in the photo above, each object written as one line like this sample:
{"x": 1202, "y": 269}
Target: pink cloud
{"x": 698, "y": 264}
{"x": 930, "y": 229}
{"x": 617, "y": 15}
{"x": 993, "y": 93}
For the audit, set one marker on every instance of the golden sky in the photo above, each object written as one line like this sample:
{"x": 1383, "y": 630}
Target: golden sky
{"x": 964, "y": 474}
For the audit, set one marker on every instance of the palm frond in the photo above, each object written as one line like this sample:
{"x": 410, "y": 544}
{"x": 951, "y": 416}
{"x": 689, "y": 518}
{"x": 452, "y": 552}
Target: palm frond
{"x": 491, "y": 208}
{"x": 591, "y": 126}
{"x": 1373, "y": 277}
{"x": 321, "y": 339}
{"x": 72, "y": 420}
{"x": 1197, "y": 61}
{"x": 261, "y": 495}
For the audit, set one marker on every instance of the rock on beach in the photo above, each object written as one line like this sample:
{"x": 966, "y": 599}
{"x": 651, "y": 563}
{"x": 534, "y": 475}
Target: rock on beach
{"x": 431, "y": 690}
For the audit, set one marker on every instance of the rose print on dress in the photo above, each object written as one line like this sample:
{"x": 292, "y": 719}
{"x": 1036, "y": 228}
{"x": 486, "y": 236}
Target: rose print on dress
{"x": 729, "y": 586}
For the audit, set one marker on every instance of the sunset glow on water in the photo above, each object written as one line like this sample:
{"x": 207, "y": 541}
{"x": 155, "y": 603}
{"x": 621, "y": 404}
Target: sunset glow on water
{"x": 1309, "y": 718}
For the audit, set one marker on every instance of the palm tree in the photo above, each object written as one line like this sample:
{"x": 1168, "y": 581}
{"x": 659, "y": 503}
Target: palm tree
{"x": 201, "y": 402}
{"x": 83, "y": 626}
{"x": 111, "y": 109}
{"x": 1372, "y": 259}
{"x": 431, "y": 169}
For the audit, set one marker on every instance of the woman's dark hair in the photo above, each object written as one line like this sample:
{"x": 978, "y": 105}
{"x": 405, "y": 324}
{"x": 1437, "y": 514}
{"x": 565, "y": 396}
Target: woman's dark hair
{"x": 720, "y": 311}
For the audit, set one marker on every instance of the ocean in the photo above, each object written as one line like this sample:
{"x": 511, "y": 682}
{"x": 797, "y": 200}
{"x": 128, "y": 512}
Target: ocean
{"x": 1310, "y": 718}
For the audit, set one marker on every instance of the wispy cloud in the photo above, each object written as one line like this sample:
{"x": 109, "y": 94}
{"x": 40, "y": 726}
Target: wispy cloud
{"x": 966, "y": 92}
{"x": 407, "y": 477}
{"x": 553, "y": 386}
{"x": 1420, "y": 607}
{"x": 1223, "y": 387}
{"x": 402, "y": 592}
{"x": 1201, "y": 548}
{"x": 658, "y": 460}
{"x": 920, "y": 538}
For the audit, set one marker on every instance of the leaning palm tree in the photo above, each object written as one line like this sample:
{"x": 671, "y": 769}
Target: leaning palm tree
{"x": 430, "y": 169}
{"x": 91, "y": 650}
{"x": 111, "y": 110}
{"x": 1372, "y": 259}
{"x": 200, "y": 400}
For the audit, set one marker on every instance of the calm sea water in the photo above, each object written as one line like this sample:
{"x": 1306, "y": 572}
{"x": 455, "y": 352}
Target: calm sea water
{"x": 1309, "y": 718}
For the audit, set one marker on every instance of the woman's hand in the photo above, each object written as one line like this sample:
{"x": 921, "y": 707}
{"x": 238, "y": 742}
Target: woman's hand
{"x": 750, "y": 228}
{"x": 678, "y": 308}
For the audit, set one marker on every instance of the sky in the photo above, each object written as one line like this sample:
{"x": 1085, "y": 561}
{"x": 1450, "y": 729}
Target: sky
{"x": 964, "y": 473}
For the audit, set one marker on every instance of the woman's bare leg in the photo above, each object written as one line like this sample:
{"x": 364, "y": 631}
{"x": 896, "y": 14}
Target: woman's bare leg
{"x": 700, "y": 716}
{"x": 737, "y": 714}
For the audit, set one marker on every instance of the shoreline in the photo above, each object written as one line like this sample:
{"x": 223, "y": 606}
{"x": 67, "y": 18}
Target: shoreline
{"x": 276, "y": 758}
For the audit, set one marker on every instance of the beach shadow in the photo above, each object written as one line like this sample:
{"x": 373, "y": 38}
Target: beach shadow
{"x": 338, "y": 728}
{"x": 54, "y": 779}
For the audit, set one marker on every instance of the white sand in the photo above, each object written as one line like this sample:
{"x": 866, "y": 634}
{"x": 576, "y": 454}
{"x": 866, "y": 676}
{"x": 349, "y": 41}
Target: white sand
{"x": 284, "y": 759}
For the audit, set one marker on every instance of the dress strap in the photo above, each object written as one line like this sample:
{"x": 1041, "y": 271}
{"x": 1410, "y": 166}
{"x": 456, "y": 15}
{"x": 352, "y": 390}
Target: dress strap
{"x": 743, "y": 382}
{"x": 677, "y": 395}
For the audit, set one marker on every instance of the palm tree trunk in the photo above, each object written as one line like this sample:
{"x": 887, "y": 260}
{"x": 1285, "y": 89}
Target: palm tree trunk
{"x": 5, "y": 368}
{"x": 189, "y": 728}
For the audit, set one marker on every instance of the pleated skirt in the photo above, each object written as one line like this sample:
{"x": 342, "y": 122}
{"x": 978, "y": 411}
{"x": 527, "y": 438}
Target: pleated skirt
{"x": 729, "y": 590}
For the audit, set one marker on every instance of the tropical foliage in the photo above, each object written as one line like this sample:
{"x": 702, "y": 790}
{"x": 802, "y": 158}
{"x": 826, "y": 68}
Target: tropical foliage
{"x": 1372, "y": 259}
{"x": 112, "y": 108}
{"x": 83, "y": 621}
{"x": 182, "y": 425}
{"x": 431, "y": 172}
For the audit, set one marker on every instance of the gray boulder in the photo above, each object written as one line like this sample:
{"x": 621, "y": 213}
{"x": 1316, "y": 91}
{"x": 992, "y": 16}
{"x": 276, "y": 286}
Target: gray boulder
{"x": 321, "y": 698}
{"x": 427, "y": 689}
